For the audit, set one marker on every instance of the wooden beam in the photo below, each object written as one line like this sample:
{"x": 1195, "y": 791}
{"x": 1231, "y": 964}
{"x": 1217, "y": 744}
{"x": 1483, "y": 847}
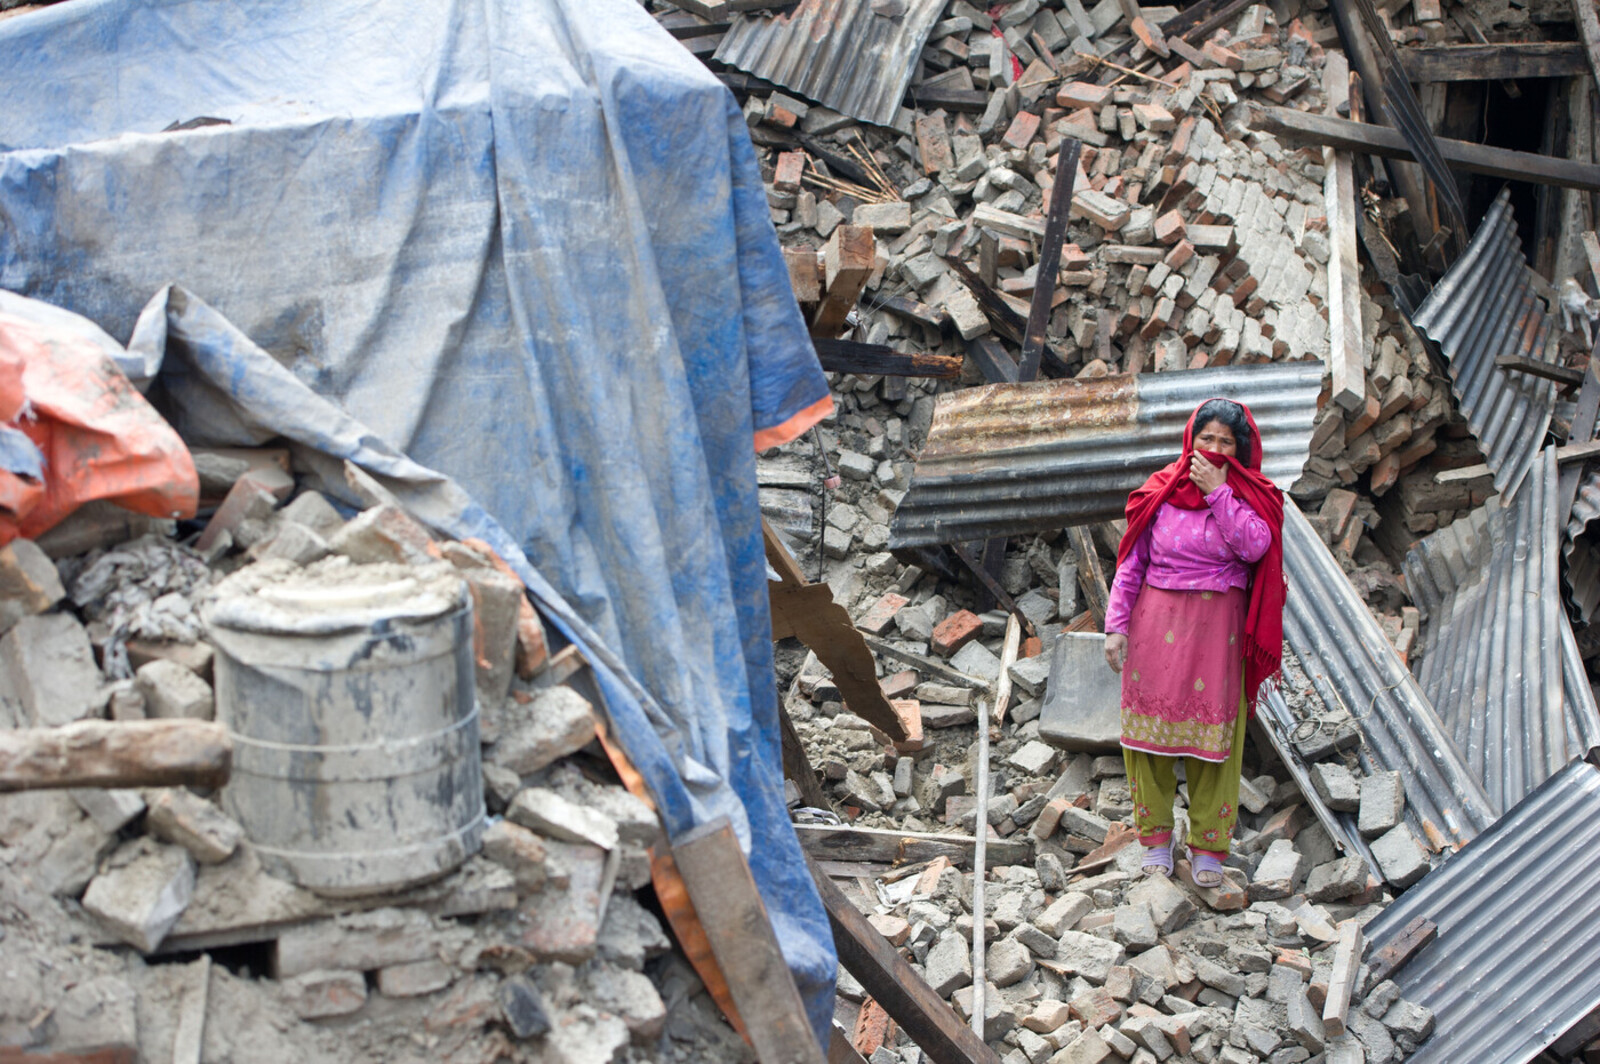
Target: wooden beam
{"x": 929, "y": 667}
{"x": 1565, "y": 455}
{"x": 1302, "y": 128}
{"x": 1090, "y": 576}
{"x": 1388, "y": 960}
{"x": 730, "y": 910}
{"x": 1494, "y": 62}
{"x": 847, "y": 261}
{"x": 100, "y": 753}
{"x": 933, "y": 317}
{"x": 829, "y": 843}
{"x": 1589, "y": 33}
{"x": 1591, "y": 251}
{"x": 847, "y": 356}
{"x": 1006, "y": 321}
{"x": 1346, "y": 967}
{"x": 1347, "y": 361}
{"x": 922, "y": 1014}
{"x": 1055, "y": 232}
{"x": 1533, "y": 367}
{"x": 988, "y": 580}
{"x": 840, "y": 1051}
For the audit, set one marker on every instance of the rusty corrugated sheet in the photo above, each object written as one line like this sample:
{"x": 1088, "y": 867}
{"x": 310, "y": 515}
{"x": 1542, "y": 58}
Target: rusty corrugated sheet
{"x": 1486, "y": 306}
{"x": 1353, "y": 666}
{"x": 1513, "y": 967}
{"x": 1008, "y": 459}
{"x": 839, "y": 53}
{"x": 1491, "y": 643}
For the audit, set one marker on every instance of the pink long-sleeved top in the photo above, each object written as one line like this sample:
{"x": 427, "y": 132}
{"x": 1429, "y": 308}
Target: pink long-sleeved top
{"x": 1190, "y": 550}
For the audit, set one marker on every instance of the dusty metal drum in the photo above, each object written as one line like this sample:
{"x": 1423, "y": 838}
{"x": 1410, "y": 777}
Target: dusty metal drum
{"x": 349, "y": 693}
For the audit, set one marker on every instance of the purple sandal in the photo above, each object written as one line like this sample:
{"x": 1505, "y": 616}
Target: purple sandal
{"x": 1157, "y": 859}
{"x": 1205, "y": 869}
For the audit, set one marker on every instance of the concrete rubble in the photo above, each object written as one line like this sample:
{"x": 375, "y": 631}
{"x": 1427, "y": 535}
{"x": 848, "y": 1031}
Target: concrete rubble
{"x": 536, "y": 949}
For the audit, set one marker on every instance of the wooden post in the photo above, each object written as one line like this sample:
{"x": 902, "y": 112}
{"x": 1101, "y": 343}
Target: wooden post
{"x": 1055, "y": 232}
{"x": 1347, "y": 356}
{"x": 1589, "y": 32}
{"x": 746, "y": 948}
{"x": 99, "y": 753}
{"x": 921, "y": 1013}
{"x": 847, "y": 260}
{"x": 1090, "y": 576}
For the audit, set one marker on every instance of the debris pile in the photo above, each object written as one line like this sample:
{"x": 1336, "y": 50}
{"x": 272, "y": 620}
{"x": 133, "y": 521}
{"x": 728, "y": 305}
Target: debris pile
{"x": 148, "y": 920}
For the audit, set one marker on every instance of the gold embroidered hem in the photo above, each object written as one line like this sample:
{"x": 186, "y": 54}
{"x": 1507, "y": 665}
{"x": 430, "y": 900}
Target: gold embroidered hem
{"x": 1180, "y": 738}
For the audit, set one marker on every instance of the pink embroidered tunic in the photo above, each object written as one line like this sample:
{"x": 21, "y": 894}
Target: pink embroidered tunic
{"x": 1190, "y": 550}
{"x": 1180, "y": 599}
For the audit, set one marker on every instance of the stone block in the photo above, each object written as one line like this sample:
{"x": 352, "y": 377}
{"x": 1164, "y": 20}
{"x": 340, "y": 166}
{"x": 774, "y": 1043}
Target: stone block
{"x": 50, "y": 668}
{"x": 184, "y": 818}
{"x": 977, "y": 661}
{"x": 1383, "y": 802}
{"x": 1031, "y": 675}
{"x": 1132, "y": 927}
{"x": 170, "y": 690}
{"x": 1169, "y": 906}
{"x": 110, "y": 809}
{"x": 1033, "y": 758}
{"x": 1338, "y": 879}
{"x": 141, "y": 893}
{"x": 552, "y": 815}
{"x": 557, "y": 723}
{"x": 1087, "y": 1048}
{"x": 886, "y": 218}
{"x": 1276, "y": 875}
{"x": 949, "y": 965}
{"x": 414, "y": 978}
{"x": 325, "y": 992}
{"x": 382, "y": 534}
{"x": 1007, "y": 962}
{"x": 1083, "y": 697}
{"x": 1400, "y": 856}
{"x": 1075, "y": 821}
{"x": 1064, "y": 913}
{"x": 1336, "y": 786}
{"x": 365, "y": 941}
{"x": 97, "y": 1014}
{"x": 1087, "y": 955}
{"x": 29, "y": 584}
{"x": 520, "y": 851}
{"x": 1304, "y": 1022}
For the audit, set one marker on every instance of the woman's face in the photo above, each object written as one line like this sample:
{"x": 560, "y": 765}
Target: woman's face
{"x": 1217, "y": 437}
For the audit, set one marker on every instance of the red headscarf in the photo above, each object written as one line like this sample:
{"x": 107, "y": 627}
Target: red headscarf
{"x": 1263, "y": 625}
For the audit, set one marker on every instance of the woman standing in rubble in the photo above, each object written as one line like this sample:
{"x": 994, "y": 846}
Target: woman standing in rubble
{"x": 1195, "y": 626}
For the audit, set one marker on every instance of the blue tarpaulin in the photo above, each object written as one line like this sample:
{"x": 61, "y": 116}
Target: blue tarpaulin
{"x": 513, "y": 257}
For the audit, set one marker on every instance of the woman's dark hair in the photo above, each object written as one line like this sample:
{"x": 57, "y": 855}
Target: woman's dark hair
{"x": 1231, "y": 415}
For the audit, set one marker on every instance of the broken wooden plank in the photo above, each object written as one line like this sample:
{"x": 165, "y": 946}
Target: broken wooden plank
{"x": 729, "y": 909}
{"x": 1493, "y": 62}
{"x": 809, "y": 613}
{"x": 1055, "y": 232}
{"x": 988, "y": 580}
{"x": 933, "y": 317}
{"x": 1006, "y": 321}
{"x": 1091, "y": 578}
{"x": 1388, "y": 960}
{"x": 930, "y": 668}
{"x": 1591, "y": 251}
{"x": 100, "y": 753}
{"x": 1347, "y": 361}
{"x": 797, "y": 766}
{"x": 1535, "y": 367}
{"x": 847, "y": 261}
{"x": 1346, "y": 966}
{"x": 1302, "y": 128}
{"x": 1589, "y": 33}
{"x": 848, "y": 356}
{"x": 972, "y": 101}
{"x": 878, "y": 846}
{"x": 992, "y": 360}
{"x": 840, "y": 1051}
{"x": 921, "y": 1013}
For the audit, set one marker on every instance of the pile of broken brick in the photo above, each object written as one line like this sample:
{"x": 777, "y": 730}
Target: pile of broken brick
{"x": 143, "y": 921}
{"x": 1194, "y": 240}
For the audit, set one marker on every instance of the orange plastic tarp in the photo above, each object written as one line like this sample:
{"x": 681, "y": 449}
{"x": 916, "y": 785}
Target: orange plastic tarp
{"x": 100, "y": 438}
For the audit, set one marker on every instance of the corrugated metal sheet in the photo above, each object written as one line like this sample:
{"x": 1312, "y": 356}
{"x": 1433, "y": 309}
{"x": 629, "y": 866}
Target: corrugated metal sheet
{"x": 838, "y": 53}
{"x": 1279, "y": 723}
{"x": 1518, "y": 949}
{"x": 1583, "y": 713}
{"x": 1486, "y": 306}
{"x": 1352, "y": 665}
{"x": 1580, "y": 546}
{"x": 1490, "y": 644}
{"x": 1008, "y": 459}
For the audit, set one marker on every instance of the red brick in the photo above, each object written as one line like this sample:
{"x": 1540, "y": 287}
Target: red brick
{"x": 1365, "y": 420}
{"x": 909, "y": 710}
{"x": 1022, "y": 130}
{"x": 1049, "y": 818}
{"x": 1222, "y": 56}
{"x": 881, "y": 614}
{"x": 786, "y": 176}
{"x": 1170, "y": 229}
{"x": 1096, "y": 1008}
{"x": 956, "y": 631}
{"x": 900, "y": 684}
{"x": 1180, "y": 254}
{"x": 1077, "y": 94}
{"x": 782, "y": 116}
{"x": 874, "y": 1028}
